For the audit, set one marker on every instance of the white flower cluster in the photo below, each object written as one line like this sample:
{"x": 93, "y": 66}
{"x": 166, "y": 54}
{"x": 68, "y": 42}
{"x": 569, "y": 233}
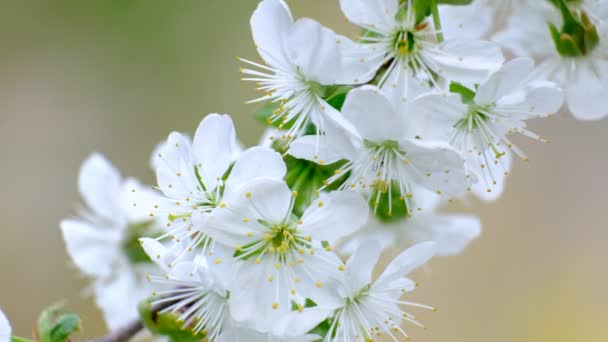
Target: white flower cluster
{"x": 367, "y": 140}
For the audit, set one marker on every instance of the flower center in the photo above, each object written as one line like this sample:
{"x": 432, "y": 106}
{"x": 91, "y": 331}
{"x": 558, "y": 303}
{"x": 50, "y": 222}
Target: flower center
{"x": 281, "y": 238}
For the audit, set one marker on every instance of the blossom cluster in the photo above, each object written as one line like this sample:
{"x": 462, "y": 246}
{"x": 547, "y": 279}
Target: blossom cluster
{"x": 366, "y": 140}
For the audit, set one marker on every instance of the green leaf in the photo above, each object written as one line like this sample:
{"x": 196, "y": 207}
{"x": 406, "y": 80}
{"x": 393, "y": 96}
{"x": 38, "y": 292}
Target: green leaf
{"x": 66, "y": 325}
{"x": 54, "y": 325}
{"x": 166, "y": 324}
{"x": 455, "y": 2}
{"x": 467, "y": 95}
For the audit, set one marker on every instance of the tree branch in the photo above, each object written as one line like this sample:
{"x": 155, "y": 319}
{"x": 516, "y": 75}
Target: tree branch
{"x": 123, "y": 334}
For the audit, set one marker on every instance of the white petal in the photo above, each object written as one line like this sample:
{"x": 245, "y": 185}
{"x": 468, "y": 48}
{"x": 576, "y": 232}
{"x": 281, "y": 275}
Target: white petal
{"x": 379, "y": 14}
{"x": 587, "y": 99}
{"x": 451, "y": 233}
{"x": 93, "y": 249}
{"x": 5, "y": 328}
{"x": 213, "y": 147}
{"x": 313, "y": 148}
{"x": 118, "y": 298}
{"x": 358, "y": 64}
{"x": 402, "y": 85}
{"x": 498, "y": 170}
{"x": 466, "y": 61}
{"x": 174, "y": 168}
{"x": 432, "y": 116}
{"x": 158, "y": 253}
{"x": 270, "y": 23}
{"x": 537, "y": 99}
{"x": 341, "y": 136}
{"x": 373, "y": 115}
{"x": 508, "y": 79}
{"x": 254, "y": 163}
{"x": 360, "y": 265}
{"x": 472, "y": 21}
{"x": 439, "y": 167}
{"x": 99, "y": 184}
{"x": 407, "y": 261}
{"x": 313, "y": 49}
{"x": 335, "y": 215}
{"x": 296, "y": 324}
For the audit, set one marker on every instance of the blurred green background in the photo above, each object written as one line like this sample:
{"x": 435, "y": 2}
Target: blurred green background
{"x": 116, "y": 76}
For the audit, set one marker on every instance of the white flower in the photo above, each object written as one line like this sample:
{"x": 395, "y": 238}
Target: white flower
{"x": 284, "y": 258}
{"x": 97, "y": 242}
{"x": 451, "y": 233}
{"x": 382, "y": 150}
{"x": 301, "y": 58}
{"x": 411, "y": 49}
{"x": 5, "y": 328}
{"x": 364, "y": 310}
{"x": 197, "y": 290}
{"x": 241, "y": 334}
{"x": 192, "y": 180}
{"x": 583, "y": 77}
{"x": 478, "y": 123}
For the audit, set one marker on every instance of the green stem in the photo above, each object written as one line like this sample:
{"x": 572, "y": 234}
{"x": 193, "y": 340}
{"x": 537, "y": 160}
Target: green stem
{"x": 436, "y": 20}
{"x": 20, "y": 339}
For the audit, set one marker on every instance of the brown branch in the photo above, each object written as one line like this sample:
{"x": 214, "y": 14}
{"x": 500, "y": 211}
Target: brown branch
{"x": 128, "y": 331}
{"x": 123, "y": 334}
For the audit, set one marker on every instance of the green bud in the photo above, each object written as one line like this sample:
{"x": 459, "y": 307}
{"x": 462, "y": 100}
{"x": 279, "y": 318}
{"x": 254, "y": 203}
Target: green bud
{"x": 55, "y": 325}
{"x": 577, "y": 36}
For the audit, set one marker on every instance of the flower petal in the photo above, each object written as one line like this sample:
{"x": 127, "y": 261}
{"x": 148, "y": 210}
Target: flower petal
{"x": 406, "y": 262}
{"x": 374, "y": 117}
{"x": 377, "y": 14}
{"x": 586, "y": 95}
{"x": 497, "y": 171}
{"x": 466, "y": 61}
{"x": 360, "y": 265}
{"x": 118, "y": 298}
{"x": 436, "y": 165}
{"x": 432, "y": 116}
{"x": 94, "y": 250}
{"x": 254, "y": 163}
{"x": 473, "y": 21}
{"x": 313, "y": 48}
{"x": 296, "y": 324}
{"x": 270, "y": 23}
{"x": 99, "y": 184}
{"x": 451, "y": 233}
{"x": 5, "y": 328}
{"x": 313, "y": 148}
{"x": 213, "y": 147}
{"x": 174, "y": 168}
{"x": 335, "y": 215}
{"x": 505, "y": 81}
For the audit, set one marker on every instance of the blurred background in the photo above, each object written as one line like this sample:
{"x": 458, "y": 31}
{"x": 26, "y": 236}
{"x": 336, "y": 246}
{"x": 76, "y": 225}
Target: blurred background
{"x": 116, "y": 76}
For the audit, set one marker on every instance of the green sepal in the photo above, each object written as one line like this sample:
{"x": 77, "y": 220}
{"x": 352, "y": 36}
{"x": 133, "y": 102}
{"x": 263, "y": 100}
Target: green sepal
{"x": 166, "y": 324}
{"x": 338, "y": 96}
{"x": 380, "y": 204}
{"x": 577, "y": 36}
{"x": 54, "y": 325}
{"x": 265, "y": 112}
{"x": 467, "y": 96}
